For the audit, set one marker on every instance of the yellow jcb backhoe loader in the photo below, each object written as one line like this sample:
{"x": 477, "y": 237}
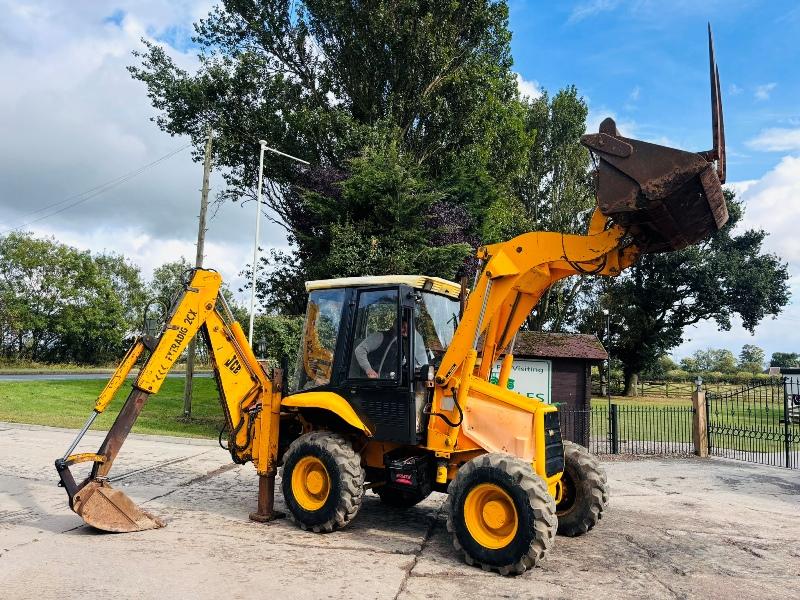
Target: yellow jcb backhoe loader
{"x": 392, "y": 388}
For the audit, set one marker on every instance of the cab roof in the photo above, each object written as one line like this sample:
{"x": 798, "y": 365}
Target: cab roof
{"x": 434, "y": 284}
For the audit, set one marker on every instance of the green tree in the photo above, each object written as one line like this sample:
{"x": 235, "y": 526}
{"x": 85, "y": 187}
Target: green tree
{"x": 711, "y": 359}
{"x": 60, "y": 304}
{"x": 278, "y": 336}
{"x": 170, "y": 279}
{"x": 751, "y": 358}
{"x": 784, "y": 359}
{"x": 662, "y": 366}
{"x": 655, "y": 300}
{"x": 557, "y": 191}
{"x": 403, "y": 97}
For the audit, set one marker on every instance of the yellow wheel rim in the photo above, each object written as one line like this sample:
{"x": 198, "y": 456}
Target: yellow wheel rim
{"x": 311, "y": 483}
{"x": 491, "y": 516}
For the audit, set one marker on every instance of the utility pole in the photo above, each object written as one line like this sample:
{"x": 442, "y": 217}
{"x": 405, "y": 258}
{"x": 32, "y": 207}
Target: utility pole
{"x": 198, "y": 262}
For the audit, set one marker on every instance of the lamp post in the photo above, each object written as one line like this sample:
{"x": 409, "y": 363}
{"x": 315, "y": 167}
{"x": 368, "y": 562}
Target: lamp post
{"x": 607, "y": 315}
{"x": 264, "y": 148}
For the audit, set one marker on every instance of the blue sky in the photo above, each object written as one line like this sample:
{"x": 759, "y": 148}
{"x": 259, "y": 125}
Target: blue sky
{"x": 646, "y": 62}
{"x": 72, "y": 118}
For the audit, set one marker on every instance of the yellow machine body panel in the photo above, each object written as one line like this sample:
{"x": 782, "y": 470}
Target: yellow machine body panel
{"x": 327, "y": 401}
{"x": 182, "y": 325}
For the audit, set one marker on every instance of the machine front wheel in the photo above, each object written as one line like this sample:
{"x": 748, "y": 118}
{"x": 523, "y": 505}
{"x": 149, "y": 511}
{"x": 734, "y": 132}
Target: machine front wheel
{"x": 501, "y": 514}
{"x": 584, "y": 491}
{"x": 322, "y": 481}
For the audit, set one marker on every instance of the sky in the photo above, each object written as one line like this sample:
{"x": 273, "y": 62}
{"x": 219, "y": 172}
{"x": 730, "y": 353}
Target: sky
{"x": 72, "y": 119}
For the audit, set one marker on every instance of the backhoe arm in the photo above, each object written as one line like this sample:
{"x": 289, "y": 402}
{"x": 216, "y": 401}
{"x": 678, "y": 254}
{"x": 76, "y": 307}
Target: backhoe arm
{"x": 250, "y": 402}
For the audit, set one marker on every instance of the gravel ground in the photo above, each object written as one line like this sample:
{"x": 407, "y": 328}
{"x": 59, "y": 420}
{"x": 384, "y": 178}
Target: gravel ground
{"x": 675, "y": 528}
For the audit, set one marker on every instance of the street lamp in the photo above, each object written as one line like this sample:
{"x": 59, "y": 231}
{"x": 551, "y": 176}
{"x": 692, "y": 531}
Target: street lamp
{"x": 607, "y": 315}
{"x": 264, "y": 148}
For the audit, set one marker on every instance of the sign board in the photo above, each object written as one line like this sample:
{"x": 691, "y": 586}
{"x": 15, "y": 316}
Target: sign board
{"x": 529, "y": 377}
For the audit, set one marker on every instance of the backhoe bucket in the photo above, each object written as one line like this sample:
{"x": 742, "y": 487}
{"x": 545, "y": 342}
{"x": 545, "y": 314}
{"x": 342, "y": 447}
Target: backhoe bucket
{"x": 667, "y": 198}
{"x": 107, "y": 509}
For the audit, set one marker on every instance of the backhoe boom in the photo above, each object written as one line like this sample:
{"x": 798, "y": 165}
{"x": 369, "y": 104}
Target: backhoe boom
{"x": 250, "y": 402}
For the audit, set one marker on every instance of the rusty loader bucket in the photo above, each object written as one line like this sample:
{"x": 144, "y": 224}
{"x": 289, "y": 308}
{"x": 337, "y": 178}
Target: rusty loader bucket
{"x": 667, "y": 198}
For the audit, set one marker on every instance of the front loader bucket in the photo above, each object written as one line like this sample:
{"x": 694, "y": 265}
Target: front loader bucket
{"x": 667, "y": 198}
{"x": 107, "y": 509}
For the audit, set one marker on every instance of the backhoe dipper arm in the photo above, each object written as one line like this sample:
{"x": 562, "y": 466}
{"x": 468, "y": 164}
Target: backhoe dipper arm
{"x": 249, "y": 400}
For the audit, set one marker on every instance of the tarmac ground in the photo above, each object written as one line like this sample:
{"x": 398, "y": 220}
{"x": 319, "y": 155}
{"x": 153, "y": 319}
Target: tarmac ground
{"x": 675, "y": 528}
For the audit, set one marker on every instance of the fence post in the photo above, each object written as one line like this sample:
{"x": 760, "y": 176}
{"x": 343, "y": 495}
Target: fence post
{"x": 699, "y": 420}
{"x": 614, "y": 429}
{"x": 787, "y": 444}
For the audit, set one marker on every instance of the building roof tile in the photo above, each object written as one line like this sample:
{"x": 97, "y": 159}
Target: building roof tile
{"x": 538, "y": 344}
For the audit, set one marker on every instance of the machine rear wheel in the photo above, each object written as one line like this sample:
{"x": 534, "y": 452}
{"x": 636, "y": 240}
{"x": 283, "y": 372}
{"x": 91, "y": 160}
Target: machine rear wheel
{"x": 584, "y": 491}
{"x": 500, "y": 514}
{"x": 322, "y": 482}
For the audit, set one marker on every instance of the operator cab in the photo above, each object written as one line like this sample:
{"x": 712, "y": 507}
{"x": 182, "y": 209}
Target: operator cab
{"x": 371, "y": 340}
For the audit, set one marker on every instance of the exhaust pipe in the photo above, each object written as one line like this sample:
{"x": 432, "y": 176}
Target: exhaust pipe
{"x": 667, "y": 198}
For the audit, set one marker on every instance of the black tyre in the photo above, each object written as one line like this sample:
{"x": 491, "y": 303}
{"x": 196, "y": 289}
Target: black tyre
{"x": 584, "y": 491}
{"x": 322, "y": 481}
{"x": 500, "y": 514}
{"x": 399, "y": 498}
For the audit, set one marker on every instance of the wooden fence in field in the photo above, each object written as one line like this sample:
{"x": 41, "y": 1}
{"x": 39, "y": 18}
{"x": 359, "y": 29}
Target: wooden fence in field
{"x": 664, "y": 389}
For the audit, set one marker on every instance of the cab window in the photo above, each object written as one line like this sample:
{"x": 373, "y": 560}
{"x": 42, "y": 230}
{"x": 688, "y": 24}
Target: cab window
{"x": 376, "y": 350}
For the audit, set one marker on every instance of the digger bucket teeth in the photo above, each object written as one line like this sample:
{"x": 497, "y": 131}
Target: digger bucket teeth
{"x": 667, "y": 198}
{"x": 107, "y": 509}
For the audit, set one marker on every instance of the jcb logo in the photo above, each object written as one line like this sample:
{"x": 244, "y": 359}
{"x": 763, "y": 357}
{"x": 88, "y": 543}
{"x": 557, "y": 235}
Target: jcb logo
{"x": 233, "y": 364}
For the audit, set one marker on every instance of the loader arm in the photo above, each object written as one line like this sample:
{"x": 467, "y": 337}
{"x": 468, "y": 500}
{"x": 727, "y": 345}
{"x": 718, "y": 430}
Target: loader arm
{"x": 250, "y": 403}
{"x": 650, "y": 198}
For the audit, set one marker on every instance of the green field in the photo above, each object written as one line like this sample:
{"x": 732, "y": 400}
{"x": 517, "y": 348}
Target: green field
{"x": 68, "y": 403}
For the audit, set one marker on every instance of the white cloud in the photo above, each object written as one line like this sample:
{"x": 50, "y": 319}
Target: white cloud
{"x": 763, "y": 91}
{"x": 771, "y": 204}
{"x": 586, "y": 10}
{"x": 777, "y": 139}
{"x": 635, "y": 93}
{"x": 626, "y": 127}
{"x": 531, "y": 89}
{"x": 72, "y": 118}
{"x": 734, "y": 90}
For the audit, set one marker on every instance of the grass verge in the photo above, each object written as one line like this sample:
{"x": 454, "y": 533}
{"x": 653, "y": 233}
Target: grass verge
{"x": 68, "y": 403}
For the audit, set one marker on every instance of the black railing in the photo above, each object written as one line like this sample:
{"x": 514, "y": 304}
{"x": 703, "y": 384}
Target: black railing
{"x": 759, "y": 422}
{"x": 624, "y": 429}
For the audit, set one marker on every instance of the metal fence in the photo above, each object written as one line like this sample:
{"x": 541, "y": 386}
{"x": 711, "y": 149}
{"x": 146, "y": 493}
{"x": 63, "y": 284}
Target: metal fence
{"x": 623, "y": 429}
{"x": 759, "y": 423}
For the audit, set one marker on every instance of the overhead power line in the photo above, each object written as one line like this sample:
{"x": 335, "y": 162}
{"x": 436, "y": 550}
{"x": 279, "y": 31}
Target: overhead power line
{"x": 76, "y": 199}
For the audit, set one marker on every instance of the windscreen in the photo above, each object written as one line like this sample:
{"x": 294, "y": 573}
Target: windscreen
{"x": 437, "y": 319}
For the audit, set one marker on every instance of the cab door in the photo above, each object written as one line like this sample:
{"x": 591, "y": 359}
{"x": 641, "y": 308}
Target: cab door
{"x": 378, "y": 377}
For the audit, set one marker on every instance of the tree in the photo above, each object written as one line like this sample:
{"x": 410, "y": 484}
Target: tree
{"x": 662, "y": 366}
{"x": 403, "y": 97}
{"x": 61, "y": 304}
{"x": 784, "y": 359}
{"x": 170, "y": 279}
{"x": 710, "y": 359}
{"x": 751, "y": 358}
{"x": 655, "y": 300}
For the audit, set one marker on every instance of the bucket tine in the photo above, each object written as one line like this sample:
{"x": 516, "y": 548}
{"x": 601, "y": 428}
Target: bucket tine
{"x": 717, "y": 122}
